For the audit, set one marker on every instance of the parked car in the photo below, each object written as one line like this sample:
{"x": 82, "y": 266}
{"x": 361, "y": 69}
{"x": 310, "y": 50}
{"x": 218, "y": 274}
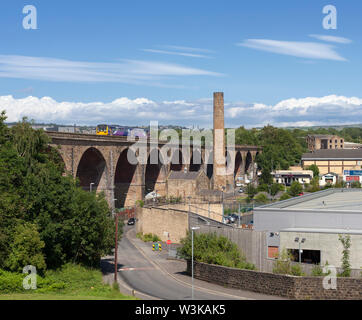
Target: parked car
{"x": 131, "y": 221}
{"x": 241, "y": 190}
{"x": 231, "y": 218}
{"x": 152, "y": 195}
{"x": 236, "y": 216}
{"x": 227, "y": 220}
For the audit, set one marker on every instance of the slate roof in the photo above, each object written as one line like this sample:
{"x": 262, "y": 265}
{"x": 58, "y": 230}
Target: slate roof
{"x": 333, "y": 154}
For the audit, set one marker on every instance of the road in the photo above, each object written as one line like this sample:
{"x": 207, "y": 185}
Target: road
{"x": 145, "y": 274}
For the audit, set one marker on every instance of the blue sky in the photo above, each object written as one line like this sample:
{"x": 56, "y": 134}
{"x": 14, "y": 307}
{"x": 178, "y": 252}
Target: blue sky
{"x": 86, "y": 56}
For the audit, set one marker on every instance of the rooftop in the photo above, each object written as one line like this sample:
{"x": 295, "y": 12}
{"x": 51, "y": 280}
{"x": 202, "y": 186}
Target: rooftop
{"x": 333, "y": 154}
{"x": 327, "y": 200}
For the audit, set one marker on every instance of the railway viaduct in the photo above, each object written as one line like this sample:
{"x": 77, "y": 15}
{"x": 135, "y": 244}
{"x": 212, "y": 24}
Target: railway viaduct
{"x": 100, "y": 163}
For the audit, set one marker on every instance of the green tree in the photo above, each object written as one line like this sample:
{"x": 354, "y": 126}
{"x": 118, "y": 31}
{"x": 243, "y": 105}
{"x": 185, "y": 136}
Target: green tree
{"x": 26, "y": 249}
{"x": 275, "y": 188}
{"x": 346, "y": 265}
{"x": 75, "y": 226}
{"x": 295, "y": 189}
{"x": 251, "y": 191}
{"x": 315, "y": 170}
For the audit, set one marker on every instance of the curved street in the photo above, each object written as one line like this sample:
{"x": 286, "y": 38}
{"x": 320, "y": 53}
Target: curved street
{"x": 153, "y": 276}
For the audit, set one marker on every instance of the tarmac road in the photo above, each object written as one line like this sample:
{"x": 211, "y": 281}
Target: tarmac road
{"x": 142, "y": 274}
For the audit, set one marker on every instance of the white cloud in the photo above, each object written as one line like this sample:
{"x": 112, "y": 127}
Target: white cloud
{"x": 326, "y": 110}
{"x": 331, "y": 38}
{"x": 125, "y": 71}
{"x": 309, "y": 50}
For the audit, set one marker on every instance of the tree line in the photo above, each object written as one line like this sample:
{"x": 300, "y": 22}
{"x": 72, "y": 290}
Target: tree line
{"x": 46, "y": 218}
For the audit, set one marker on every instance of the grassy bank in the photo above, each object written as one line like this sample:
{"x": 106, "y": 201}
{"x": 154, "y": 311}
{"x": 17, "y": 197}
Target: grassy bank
{"x": 71, "y": 282}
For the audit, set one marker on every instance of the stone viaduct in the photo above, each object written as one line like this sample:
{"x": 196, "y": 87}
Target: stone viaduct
{"x": 101, "y": 164}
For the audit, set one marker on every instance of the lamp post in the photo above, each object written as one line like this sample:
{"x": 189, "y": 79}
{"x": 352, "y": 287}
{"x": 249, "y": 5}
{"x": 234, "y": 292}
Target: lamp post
{"x": 300, "y": 251}
{"x": 222, "y": 202}
{"x": 90, "y": 186}
{"x": 116, "y": 246}
{"x": 192, "y": 260}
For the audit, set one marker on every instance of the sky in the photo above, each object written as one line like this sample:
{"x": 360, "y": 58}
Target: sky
{"x": 132, "y": 62}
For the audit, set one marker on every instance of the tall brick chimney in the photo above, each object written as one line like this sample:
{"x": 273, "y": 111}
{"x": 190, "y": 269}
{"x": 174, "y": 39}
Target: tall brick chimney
{"x": 219, "y": 167}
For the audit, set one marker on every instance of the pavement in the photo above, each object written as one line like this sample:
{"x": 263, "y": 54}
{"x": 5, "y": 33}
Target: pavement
{"x": 150, "y": 275}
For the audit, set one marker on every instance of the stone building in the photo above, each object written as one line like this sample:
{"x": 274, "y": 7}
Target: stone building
{"x": 185, "y": 184}
{"x": 322, "y": 141}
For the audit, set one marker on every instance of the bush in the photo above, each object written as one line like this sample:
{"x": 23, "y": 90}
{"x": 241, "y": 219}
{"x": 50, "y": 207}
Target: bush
{"x": 356, "y": 184}
{"x": 26, "y": 249}
{"x": 295, "y": 189}
{"x": 212, "y": 249}
{"x": 140, "y": 203}
{"x": 317, "y": 271}
{"x": 282, "y": 265}
{"x": 148, "y": 237}
{"x": 12, "y": 282}
{"x": 296, "y": 270}
{"x": 261, "y": 198}
{"x": 285, "y": 196}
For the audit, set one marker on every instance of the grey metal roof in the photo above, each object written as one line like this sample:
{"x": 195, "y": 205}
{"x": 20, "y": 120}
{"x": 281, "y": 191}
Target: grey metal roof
{"x": 323, "y": 230}
{"x": 336, "y": 200}
{"x": 354, "y": 154}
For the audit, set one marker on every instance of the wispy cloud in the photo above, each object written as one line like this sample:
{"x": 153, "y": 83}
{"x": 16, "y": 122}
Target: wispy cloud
{"x": 332, "y": 110}
{"x": 331, "y": 38}
{"x": 190, "y": 49}
{"x": 309, "y": 50}
{"x": 124, "y": 71}
{"x": 185, "y": 54}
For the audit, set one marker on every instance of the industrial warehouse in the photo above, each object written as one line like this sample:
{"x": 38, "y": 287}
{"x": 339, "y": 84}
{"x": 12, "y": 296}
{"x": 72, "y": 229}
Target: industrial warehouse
{"x": 313, "y": 223}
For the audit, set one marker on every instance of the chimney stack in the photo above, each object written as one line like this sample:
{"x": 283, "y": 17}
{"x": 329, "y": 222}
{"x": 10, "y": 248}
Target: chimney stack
{"x": 219, "y": 166}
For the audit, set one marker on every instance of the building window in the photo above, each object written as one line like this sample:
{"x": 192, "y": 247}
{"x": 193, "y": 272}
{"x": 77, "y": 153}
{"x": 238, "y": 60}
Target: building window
{"x": 341, "y": 141}
{"x": 273, "y": 252}
{"x": 341, "y": 146}
{"x": 308, "y": 256}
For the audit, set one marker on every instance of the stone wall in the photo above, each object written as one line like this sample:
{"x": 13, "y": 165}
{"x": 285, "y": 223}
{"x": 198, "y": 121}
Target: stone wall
{"x": 280, "y": 285}
{"x": 168, "y": 224}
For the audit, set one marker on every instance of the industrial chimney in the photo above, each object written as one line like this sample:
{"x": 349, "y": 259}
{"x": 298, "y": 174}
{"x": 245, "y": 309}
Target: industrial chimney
{"x": 219, "y": 166}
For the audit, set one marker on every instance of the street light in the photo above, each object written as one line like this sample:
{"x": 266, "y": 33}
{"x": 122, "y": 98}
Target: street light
{"x": 116, "y": 246}
{"x": 192, "y": 260}
{"x": 90, "y": 186}
{"x": 222, "y": 201}
{"x": 300, "y": 251}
